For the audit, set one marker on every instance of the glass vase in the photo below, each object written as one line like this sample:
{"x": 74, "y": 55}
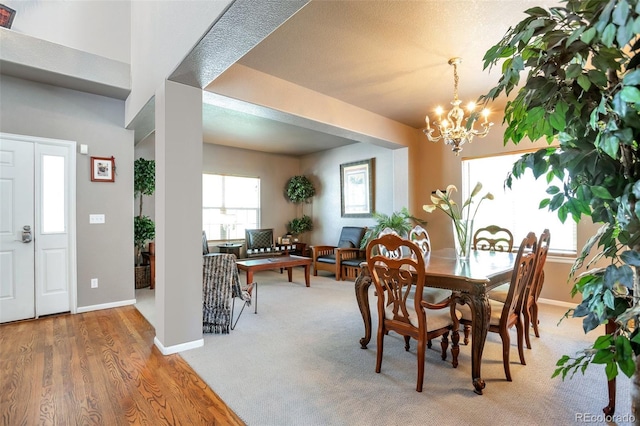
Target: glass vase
{"x": 462, "y": 236}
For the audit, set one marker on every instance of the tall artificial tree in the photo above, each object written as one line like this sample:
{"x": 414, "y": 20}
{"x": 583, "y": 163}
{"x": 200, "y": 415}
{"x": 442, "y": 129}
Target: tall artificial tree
{"x": 144, "y": 183}
{"x": 582, "y": 94}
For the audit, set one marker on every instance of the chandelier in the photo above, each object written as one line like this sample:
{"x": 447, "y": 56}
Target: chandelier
{"x": 451, "y": 129}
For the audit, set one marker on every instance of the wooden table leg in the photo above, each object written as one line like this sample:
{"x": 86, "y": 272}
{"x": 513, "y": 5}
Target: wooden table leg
{"x": 249, "y": 276}
{"x": 362, "y": 296}
{"x": 290, "y": 273}
{"x": 307, "y": 275}
{"x": 480, "y": 313}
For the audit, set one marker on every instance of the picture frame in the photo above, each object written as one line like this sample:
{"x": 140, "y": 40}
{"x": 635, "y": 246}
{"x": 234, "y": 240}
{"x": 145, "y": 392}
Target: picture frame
{"x": 103, "y": 169}
{"x": 357, "y": 188}
{"x": 6, "y": 16}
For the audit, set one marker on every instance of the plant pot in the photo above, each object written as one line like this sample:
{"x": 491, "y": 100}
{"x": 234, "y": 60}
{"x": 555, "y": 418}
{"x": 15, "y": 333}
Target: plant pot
{"x": 143, "y": 276}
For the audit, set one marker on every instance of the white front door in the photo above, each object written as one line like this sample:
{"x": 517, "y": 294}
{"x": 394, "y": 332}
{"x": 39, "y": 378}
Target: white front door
{"x": 37, "y": 189}
{"x": 17, "y": 258}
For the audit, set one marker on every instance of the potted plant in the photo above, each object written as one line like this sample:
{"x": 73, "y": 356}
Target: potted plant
{"x": 583, "y": 90}
{"x": 299, "y": 225}
{"x": 144, "y": 183}
{"x": 299, "y": 189}
{"x": 401, "y": 222}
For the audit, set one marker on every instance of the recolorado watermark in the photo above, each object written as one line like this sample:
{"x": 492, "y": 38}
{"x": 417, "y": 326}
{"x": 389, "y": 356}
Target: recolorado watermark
{"x": 601, "y": 418}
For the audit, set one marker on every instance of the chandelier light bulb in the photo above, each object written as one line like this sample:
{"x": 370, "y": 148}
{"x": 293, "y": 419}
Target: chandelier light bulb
{"x": 453, "y": 129}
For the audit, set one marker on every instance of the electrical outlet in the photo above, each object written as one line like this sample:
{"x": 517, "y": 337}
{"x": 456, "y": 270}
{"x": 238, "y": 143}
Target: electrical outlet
{"x": 94, "y": 283}
{"x": 96, "y": 218}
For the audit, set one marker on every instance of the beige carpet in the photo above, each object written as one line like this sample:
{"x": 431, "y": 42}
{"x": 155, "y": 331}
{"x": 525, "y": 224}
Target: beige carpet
{"x": 298, "y": 362}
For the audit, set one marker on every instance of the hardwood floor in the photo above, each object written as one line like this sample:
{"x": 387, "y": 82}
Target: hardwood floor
{"x": 99, "y": 368}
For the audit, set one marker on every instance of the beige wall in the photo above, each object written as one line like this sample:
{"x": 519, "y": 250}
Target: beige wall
{"x": 104, "y": 251}
{"x": 438, "y": 167}
{"x": 273, "y": 170}
{"x": 324, "y": 169}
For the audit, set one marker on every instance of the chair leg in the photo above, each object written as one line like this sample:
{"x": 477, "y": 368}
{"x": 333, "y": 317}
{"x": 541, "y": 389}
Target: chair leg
{"x": 455, "y": 348}
{"x": 233, "y": 304}
{"x": 255, "y": 303}
{"x": 520, "y": 334}
{"x": 381, "y": 333}
{"x": 506, "y": 343}
{"x": 467, "y": 331}
{"x": 429, "y": 343}
{"x": 444, "y": 344}
{"x": 252, "y": 289}
{"x": 407, "y": 339}
{"x": 421, "y": 350}
{"x": 534, "y": 318}
{"x": 526, "y": 323}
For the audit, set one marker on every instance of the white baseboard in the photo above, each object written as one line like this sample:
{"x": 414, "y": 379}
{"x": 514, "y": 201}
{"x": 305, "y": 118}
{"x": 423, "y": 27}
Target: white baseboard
{"x": 177, "y": 348}
{"x": 105, "y": 306}
{"x": 558, "y": 303}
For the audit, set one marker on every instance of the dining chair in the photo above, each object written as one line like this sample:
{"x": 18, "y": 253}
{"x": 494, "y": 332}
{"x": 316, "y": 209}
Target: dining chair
{"x": 494, "y": 238}
{"x": 530, "y": 308}
{"x": 508, "y": 314}
{"x": 420, "y": 237}
{"x": 399, "y": 282}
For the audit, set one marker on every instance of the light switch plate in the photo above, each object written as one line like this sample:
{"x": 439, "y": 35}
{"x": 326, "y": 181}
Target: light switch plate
{"x": 96, "y": 218}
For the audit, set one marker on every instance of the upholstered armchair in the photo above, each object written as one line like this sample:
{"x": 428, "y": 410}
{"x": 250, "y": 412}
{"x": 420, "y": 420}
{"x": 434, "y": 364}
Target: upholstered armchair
{"x": 330, "y": 258}
{"x": 259, "y": 243}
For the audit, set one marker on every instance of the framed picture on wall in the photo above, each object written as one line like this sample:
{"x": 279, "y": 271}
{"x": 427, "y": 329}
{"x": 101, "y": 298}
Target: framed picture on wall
{"x": 357, "y": 188}
{"x": 103, "y": 169}
{"x": 6, "y": 16}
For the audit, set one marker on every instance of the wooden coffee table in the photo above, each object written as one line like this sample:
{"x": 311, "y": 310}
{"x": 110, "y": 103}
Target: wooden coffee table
{"x": 263, "y": 264}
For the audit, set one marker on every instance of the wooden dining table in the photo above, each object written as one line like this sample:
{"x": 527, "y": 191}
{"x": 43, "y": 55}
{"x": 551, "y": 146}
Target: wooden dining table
{"x": 470, "y": 281}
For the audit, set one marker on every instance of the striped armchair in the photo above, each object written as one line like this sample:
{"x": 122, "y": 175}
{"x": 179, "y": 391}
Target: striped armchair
{"x": 220, "y": 285}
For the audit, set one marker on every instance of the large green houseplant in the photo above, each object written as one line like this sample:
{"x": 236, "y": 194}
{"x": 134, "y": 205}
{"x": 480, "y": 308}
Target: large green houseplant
{"x": 401, "y": 221}
{"x": 299, "y": 189}
{"x": 582, "y": 93}
{"x": 144, "y": 183}
{"x": 299, "y": 225}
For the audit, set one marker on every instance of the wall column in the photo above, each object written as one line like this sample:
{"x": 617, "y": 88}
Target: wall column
{"x": 178, "y": 116}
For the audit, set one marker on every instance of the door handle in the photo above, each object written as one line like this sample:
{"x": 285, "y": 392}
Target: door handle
{"x": 27, "y": 237}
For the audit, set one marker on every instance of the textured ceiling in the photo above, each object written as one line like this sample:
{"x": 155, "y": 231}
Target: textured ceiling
{"x": 388, "y": 57}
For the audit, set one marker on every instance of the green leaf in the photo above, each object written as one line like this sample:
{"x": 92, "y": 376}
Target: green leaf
{"x": 562, "y": 361}
{"x": 537, "y": 12}
{"x": 603, "y": 342}
{"x": 631, "y": 257}
{"x": 601, "y": 192}
{"x": 630, "y": 94}
{"x": 611, "y": 370}
{"x": 584, "y": 82}
{"x": 552, "y": 190}
{"x": 609, "y": 35}
{"x": 627, "y": 365}
{"x": 608, "y": 299}
{"x": 588, "y": 35}
{"x": 621, "y": 12}
{"x": 573, "y": 71}
{"x": 610, "y": 144}
{"x": 632, "y": 78}
{"x": 557, "y": 120}
{"x": 603, "y": 356}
